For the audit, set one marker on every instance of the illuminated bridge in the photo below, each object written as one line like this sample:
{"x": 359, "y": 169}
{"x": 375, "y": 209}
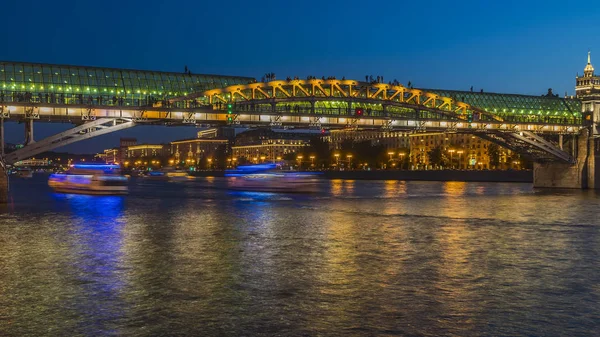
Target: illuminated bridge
{"x": 102, "y": 100}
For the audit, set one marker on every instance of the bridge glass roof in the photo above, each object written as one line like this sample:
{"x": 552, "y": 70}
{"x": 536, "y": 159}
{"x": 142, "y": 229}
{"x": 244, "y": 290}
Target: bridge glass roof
{"x": 511, "y": 104}
{"x": 36, "y": 78}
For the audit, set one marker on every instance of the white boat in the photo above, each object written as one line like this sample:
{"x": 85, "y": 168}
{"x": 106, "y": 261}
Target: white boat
{"x": 90, "y": 179}
{"x": 168, "y": 174}
{"x": 263, "y": 178}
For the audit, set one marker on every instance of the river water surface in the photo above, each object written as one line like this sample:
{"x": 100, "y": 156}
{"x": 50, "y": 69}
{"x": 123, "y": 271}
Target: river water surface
{"x": 360, "y": 258}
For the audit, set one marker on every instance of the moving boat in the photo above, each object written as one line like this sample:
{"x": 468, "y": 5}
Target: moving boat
{"x": 90, "y": 179}
{"x": 168, "y": 173}
{"x": 266, "y": 178}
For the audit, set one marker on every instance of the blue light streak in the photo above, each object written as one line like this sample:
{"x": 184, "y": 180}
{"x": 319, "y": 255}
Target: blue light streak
{"x": 96, "y": 166}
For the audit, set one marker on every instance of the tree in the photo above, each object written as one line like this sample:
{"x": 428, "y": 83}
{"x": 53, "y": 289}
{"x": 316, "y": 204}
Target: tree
{"x": 203, "y": 163}
{"x": 523, "y": 162}
{"x": 436, "y": 156}
{"x": 319, "y": 149}
{"x": 290, "y": 156}
{"x": 404, "y": 161}
{"x": 493, "y": 151}
{"x": 220, "y": 157}
{"x": 242, "y": 160}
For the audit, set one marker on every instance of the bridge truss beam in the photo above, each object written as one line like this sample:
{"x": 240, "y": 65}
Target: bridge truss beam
{"x": 529, "y": 145}
{"x": 85, "y": 131}
{"x": 333, "y": 89}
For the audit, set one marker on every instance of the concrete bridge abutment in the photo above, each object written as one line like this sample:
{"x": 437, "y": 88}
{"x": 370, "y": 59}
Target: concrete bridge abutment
{"x": 581, "y": 175}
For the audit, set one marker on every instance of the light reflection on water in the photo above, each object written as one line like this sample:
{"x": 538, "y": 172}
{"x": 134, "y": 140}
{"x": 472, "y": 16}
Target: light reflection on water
{"x": 358, "y": 258}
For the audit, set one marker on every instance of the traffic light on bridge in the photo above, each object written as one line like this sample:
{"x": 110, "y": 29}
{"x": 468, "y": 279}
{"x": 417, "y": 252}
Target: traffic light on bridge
{"x": 470, "y": 117}
{"x": 359, "y": 111}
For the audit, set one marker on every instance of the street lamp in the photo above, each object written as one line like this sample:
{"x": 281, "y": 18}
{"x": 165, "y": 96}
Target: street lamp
{"x": 262, "y": 158}
{"x": 401, "y": 154}
{"x": 299, "y": 159}
{"x": 312, "y": 161}
{"x": 337, "y": 160}
{"x": 459, "y": 152}
{"x": 451, "y": 152}
{"x": 349, "y": 161}
{"x": 391, "y": 154}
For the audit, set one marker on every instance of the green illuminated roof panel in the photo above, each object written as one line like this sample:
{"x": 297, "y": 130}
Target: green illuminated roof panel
{"x": 65, "y": 79}
{"x": 515, "y": 104}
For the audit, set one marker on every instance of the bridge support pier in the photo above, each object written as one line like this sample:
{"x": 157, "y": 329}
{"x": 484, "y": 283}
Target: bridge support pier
{"x": 29, "y": 132}
{"x": 583, "y": 175}
{"x": 3, "y": 184}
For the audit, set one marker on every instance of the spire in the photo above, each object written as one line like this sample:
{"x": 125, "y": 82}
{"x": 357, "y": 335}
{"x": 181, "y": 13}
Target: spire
{"x": 589, "y": 69}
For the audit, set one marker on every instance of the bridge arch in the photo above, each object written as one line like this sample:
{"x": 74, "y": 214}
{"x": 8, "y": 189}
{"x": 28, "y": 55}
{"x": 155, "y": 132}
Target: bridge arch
{"x": 322, "y": 97}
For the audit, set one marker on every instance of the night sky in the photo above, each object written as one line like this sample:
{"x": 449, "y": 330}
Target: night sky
{"x": 521, "y": 47}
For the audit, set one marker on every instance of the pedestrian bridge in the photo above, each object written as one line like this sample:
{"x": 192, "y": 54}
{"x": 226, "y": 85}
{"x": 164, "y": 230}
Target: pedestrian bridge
{"x": 531, "y": 125}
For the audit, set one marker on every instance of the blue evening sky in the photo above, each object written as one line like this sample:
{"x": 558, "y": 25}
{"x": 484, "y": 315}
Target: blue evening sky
{"x": 521, "y": 47}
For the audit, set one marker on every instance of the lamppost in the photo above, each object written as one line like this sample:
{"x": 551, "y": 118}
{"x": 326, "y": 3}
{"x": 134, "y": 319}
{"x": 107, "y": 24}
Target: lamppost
{"x": 337, "y": 160}
{"x": 262, "y": 158}
{"x": 391, "y": 154}
{"x": 401, "y": 154}
{"x": 299, "y": 158}
{"x": 349, "y": 161}
{"x": 451, "y": 152}
{"x": 459, "y": 152}
{"x": 312, "y": 161}
{"x": 210, "y": 163}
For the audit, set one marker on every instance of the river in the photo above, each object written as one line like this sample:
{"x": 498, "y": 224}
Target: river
{"x": 358, "y": 258}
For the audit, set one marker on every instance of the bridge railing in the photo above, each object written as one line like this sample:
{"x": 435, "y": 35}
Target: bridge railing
{"x": 540, "y": 119}
{"x": 94, "y": 100}
{"x": 292, "y": 109}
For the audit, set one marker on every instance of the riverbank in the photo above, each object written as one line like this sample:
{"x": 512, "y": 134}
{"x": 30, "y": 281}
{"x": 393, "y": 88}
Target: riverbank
{"x": 524, "y": 176}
